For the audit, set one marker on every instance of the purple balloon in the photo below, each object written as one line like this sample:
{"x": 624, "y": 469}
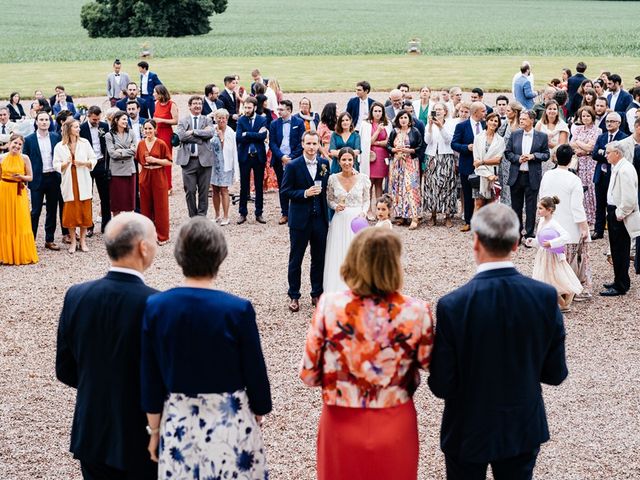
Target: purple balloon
{"x": 359, "y": 223}
{"x": 548, "y": 234}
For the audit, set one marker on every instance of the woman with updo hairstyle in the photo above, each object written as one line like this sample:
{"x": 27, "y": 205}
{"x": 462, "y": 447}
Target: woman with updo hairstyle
{"x": 204, "y": 380}
{"x": 364, "y": 348}
{"x": 152, "y": 154}
{"x": 551, "y": 262}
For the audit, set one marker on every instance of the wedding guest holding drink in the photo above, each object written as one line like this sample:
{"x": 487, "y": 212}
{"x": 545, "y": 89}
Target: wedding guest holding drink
{"x": 364, "y": 348}
{"x": 204, "y": 403}
{"x": 152, "y": 154}
{"x": 74, "y": 158}
{"x": 17, "y": 244}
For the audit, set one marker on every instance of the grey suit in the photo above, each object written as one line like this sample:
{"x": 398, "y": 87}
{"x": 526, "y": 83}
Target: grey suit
{"x": 196, "y": 156}
{"x": 114, "y": 90}
{"x": 525, "y": 185}
{"x": 390, "y": 112}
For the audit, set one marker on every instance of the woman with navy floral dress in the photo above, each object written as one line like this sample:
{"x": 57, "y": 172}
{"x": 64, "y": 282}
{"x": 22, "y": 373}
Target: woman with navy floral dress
{"x": 204, "y": 380}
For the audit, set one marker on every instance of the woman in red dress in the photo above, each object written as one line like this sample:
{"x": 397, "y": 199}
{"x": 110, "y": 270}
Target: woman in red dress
{"x": 153, "y": 154}
{"x": 165, "y": 116}
{"x": 364, "y": 348}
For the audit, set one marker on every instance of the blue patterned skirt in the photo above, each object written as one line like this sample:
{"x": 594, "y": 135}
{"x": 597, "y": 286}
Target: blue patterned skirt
{"x": 212, "y": 435}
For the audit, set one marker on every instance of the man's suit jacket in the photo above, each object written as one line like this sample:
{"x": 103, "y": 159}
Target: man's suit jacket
{"x": 599, "y": 154}
{"x": 54, "y": 99}
{"x": 353, "y": 108}
{"x": 295, "y": 181}
{"x": 539, "y": 149}
{"x": 98, "y": 354}
{"x": 497, "y": 338}
{"x": 85, "y": 132}
{"x": 295, "y": 139}
{"x": 623, "y": 187}
{"x": 144, "y": 106}
{"x": 57, "y": 108}
{"x": 200, "y": 136}
{"x": 623, "y": 102}
{"x": 265, "y": 81}
{"x": 390, "y": 112}
{"x": 523, "y": 92}
{"x": 206, "y": 109}
{"x": 32, "y": 150}
{"x": 463, "y": 137}
{"x": 573, "y": 83}
{"x": 152, "y": 82}
{"x": 247, "y": 134}
{"x": 114, "y": 90}
{"x": 229, "y": 103}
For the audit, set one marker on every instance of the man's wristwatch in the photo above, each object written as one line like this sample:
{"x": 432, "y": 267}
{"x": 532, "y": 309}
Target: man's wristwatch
{"x": 152, "y": 431}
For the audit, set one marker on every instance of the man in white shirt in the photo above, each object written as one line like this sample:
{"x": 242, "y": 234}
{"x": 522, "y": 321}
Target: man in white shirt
{"x": 6, "y": 127}
{"x": 570, "y": 213}
{"x": 135, "y": 121}
{"x": 623, "y": 218}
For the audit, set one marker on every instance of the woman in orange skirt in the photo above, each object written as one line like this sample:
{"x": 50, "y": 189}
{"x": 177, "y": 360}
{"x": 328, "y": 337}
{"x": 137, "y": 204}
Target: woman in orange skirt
{"x": 165, "y": 116}
{"x": 152, "y": 155}
{"x": 364, "y": 348}
{"x": 17, "y": 245}
{"x": 74, "y": 158}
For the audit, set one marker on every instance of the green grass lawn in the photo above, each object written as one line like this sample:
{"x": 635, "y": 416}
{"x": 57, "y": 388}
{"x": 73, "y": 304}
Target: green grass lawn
{"x": 315, "y": 47}
{"x": 301, "y": 74}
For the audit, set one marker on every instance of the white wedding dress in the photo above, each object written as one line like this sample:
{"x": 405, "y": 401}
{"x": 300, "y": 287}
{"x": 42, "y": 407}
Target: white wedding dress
{"x": 356, "y": 203}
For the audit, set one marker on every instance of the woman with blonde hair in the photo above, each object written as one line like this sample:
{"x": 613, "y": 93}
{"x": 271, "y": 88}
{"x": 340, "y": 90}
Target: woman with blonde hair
{"x": 226, "y": 169}
{"x": 74, "y": 158}
{"x": 274, "y": 94}
{"x": 364, "y": 348}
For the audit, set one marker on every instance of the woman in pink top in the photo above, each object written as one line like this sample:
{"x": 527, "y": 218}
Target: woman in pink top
{"x": 364, "y": 348}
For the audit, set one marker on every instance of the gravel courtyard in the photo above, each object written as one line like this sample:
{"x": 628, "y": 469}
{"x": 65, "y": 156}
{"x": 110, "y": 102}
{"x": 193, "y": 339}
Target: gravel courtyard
{"x": 594, "y": 415}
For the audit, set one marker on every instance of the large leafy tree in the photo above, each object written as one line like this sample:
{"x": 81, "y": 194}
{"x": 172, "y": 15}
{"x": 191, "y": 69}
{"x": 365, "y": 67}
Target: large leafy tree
{"x": 149, "y": 18}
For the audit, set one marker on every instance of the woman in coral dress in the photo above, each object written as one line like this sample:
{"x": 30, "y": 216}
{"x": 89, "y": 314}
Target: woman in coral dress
{"x": 365, "y": 347}
{"x": 165, "y": 116}
{"x": 153, "y": 154}
{"x": 17, "y": 245}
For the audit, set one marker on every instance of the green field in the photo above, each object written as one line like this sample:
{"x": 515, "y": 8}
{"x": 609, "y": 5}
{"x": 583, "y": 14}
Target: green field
{"x": 330, "y": 45}
{"x": 41, "y": 30}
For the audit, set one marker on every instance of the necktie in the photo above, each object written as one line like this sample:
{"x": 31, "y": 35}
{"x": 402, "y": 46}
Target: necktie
{"x": 195, "y": 126}
{"x": 4, "y": 129}
{"x": 252, "y": 147}
{"x": 610, "y": 138}
{"x": 477, "y": 128}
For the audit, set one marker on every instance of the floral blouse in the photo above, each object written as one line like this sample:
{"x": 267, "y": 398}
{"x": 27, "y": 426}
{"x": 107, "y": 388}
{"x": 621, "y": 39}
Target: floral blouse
{"x": 365, "y": 352}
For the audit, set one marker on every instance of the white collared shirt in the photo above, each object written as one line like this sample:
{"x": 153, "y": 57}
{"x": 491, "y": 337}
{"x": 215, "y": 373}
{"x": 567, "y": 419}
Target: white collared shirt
{"x": 527, "y": 142}
{"x": 212, "y": 105}
{"x": 46, "y": 153}
{"x": 614, "y": 100}
{"x": 135, "y": 128}
{"x": 128, "y": 271}
{"x": 473, "y": 127}
{"x": 95, "y": 141}
{"x": 144, "y": 80}
{"x": 313, "y": 169}
{"x": 485, "y": 267}
{"x": 363, "y": 113}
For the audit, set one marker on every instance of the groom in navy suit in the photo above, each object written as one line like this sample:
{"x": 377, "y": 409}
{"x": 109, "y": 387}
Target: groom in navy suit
{"x": 305, "y": 186}
{"x": 498, "y": 338}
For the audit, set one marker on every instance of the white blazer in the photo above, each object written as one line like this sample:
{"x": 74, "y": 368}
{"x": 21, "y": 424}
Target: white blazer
{"x": 623, "y": 187}
{"x": 439, "y": 140}
{"x": 84, "y": 153}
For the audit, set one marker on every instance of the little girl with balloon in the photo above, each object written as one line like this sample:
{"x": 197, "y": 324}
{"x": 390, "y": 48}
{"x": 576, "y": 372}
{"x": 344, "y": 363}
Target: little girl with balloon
{"x": 551, "y": 263}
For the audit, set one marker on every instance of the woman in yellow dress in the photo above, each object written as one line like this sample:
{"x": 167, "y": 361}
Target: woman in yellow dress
{"x": 17, "y": 245}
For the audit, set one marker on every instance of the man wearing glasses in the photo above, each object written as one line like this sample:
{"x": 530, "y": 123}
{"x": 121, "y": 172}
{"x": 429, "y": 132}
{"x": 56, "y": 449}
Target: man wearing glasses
{"x": 602, "y": 174}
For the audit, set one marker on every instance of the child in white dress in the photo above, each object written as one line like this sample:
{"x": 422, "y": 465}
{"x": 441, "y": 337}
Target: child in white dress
{"x": 550, "y": 267}
{"x": 384, "y": 205}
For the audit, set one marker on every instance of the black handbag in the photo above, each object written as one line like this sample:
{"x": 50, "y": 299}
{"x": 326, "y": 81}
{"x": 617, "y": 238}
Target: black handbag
{"x": 175, "y": 140}
{"x": 474, "y": 181}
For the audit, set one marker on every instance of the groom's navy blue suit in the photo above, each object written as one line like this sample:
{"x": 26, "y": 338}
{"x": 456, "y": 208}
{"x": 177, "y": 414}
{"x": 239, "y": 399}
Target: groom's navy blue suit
{"x": 308, "y": 222}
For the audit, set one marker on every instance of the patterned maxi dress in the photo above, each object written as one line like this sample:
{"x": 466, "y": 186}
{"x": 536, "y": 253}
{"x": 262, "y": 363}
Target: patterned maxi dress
{"x": 586, "y": 169}
{"x": 404, "y": 181}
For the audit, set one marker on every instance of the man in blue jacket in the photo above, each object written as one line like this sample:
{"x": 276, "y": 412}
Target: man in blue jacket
{"x": 498, "y": 338}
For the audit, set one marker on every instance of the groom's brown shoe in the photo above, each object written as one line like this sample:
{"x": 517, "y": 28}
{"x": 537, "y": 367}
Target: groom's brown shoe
{"x": 294, "y": 305}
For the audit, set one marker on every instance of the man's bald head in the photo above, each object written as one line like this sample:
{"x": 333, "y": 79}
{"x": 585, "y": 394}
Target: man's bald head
{"x": 124, "y": 235}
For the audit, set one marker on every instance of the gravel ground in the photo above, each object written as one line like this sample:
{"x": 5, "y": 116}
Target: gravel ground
{"x": 593, "y": 415}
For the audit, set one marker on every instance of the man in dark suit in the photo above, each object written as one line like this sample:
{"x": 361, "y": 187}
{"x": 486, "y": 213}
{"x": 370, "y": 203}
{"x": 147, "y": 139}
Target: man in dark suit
{"x": 257, "y": 79}
{"x": 618, "y": 100}
{"x": 396, "y": 100}
{"x": 252, "y": 155}
{"x": 477, "y": 95}
{"x": 498, "y": 337}
{"x": 132, "y": 94}
{"x": 45, "y": 185}
{"x": 54, "y": 98}
{"x": 229, "y": 100}
{"x": 98, "y": 354}
{"x": 602, "y": 174}
{"x": 305, "y": 185}
{"x": 93, "y": 130}
{"x": 358, "y": 106}
{"x": 148, "y": 81}
{"x": 526, "y": 149}
{"x": 211, "y": 100}
{"x": 573, "y": 83}
{"x": 462, "y": 142}
{"x": 285, "y": 142}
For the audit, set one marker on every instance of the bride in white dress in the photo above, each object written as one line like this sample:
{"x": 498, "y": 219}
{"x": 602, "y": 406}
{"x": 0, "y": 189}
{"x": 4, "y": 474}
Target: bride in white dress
{"x": 348, "y": 195}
